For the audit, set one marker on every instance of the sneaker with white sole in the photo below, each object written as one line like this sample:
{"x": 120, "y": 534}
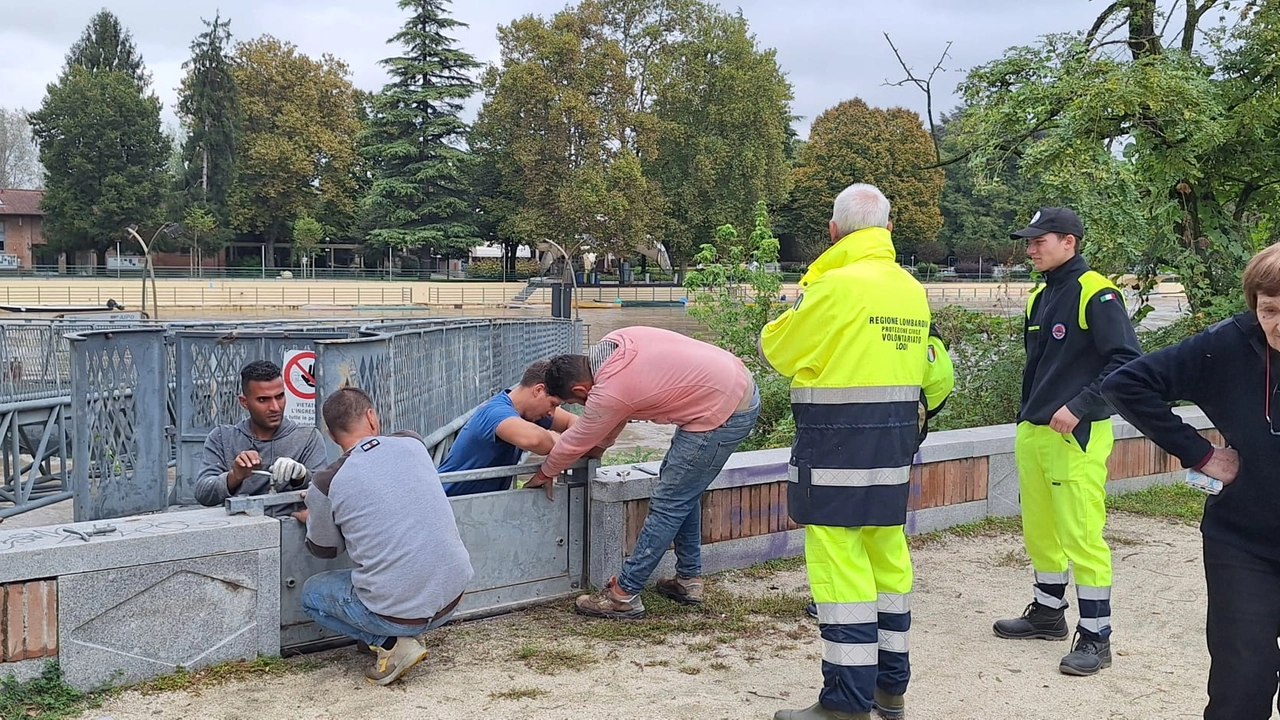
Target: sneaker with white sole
{"x": 394, "y": 663}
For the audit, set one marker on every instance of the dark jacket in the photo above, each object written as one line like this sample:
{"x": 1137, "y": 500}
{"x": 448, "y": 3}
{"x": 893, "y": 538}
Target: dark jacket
{"x": 1066, "y": 363}
{"x": 1222, "y": 370}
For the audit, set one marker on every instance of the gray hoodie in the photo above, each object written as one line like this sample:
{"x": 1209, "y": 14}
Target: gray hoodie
{"x": 291, "y": 440}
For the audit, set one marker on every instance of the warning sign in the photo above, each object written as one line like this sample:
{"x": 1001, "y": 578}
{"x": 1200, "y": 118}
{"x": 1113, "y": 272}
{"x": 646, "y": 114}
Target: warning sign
{"x": 300, "y": 386}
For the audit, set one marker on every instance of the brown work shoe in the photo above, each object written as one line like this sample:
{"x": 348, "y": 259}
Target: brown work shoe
{"x": 392, "y": 664}
{"x": 890, "y": 707}
{"x": 687, "y": 591}
{"x": 610, "y": 602}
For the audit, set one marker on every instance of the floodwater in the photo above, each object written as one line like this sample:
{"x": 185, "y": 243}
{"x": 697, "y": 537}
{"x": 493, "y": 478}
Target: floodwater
{"x": 601, "y": 321}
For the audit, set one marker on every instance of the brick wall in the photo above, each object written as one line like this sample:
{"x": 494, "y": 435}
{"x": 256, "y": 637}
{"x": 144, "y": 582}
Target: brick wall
{"x": 28, "y": 620}
{"x": 20, "y": 234}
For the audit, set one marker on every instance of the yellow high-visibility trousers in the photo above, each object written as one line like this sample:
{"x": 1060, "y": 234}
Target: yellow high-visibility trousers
{"x": 1063, "y": 498}
{"x": 860, "y": 578}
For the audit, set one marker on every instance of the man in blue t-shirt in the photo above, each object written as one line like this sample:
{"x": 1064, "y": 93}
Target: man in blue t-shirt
{"x": 510, "y": 423}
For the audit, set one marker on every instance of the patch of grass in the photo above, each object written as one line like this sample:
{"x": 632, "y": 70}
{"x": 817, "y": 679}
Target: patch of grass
{"x": 717, "y": 665}
{"x": 519, "y": 693}
{"x": 194, "y": 681}
{"x": 633, "y": 456}
{"x": 1172, "y": 502}
{"x": 701, "y": 646}
{"x": 769, "y": 568}
{"x": 550, "y": 660}
{"x": 992, "y": 526}
{"x": 43, "y": 698}
{"x": 1012, "y": 559}
{"x": 723, "y": 615}
{"x": 690, "y": 669}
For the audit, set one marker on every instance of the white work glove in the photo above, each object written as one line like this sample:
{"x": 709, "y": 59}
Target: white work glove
{"x": 287, "y": 473}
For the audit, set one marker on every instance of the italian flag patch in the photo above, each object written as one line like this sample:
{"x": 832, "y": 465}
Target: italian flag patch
{"x": 1107, "y": 296}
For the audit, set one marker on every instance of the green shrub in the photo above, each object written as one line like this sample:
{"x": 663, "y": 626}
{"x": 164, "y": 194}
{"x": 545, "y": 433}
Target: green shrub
{"x": 491, "y": 269}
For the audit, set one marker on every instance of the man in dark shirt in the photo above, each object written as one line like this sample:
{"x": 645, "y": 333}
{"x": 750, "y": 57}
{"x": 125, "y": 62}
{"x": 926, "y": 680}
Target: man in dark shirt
{"x": 1077, "y": 332}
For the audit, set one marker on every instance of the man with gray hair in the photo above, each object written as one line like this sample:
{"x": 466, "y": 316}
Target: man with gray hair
{"x": 865, "y": 376}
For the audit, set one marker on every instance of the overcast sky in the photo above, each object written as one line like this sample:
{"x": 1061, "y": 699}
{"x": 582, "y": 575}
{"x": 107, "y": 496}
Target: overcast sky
{"x": 830, "y": 50}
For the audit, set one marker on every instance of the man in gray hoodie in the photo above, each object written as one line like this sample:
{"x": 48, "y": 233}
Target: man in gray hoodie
{"x": 236, "y": 456}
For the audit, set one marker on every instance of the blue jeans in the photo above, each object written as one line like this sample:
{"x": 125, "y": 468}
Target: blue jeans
{"x": 330, "y": 600}
{"x": 675, "y": 513}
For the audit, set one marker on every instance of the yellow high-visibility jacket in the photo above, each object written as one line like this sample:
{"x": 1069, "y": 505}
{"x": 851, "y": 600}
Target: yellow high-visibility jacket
{"x": 856, "y": 346}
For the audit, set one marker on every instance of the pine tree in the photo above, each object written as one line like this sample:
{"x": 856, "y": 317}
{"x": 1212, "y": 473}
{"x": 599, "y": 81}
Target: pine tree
{"x": 106, "y": 45}
{"x": 419, "y": 197}
{"x": 209, "y": 106}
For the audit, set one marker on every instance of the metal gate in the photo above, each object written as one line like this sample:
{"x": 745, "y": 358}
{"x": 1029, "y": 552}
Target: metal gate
{"x": 119, "y": 387}
{"x": 208, "y": 386}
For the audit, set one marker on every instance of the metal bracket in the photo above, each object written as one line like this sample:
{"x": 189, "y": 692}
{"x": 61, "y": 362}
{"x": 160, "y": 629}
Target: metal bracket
{"x": 85, "y": 534}
{"x": 256, "y": 505}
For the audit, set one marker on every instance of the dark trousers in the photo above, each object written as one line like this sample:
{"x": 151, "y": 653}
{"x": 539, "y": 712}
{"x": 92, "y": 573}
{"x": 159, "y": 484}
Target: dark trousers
{"x": 1243, "y": 624}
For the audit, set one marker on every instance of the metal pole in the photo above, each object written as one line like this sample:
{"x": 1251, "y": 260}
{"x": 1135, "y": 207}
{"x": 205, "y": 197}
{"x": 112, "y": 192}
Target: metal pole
{"x": 264, "y": 261}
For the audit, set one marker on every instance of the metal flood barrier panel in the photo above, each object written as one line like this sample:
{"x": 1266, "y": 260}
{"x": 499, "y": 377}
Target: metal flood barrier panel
{"x": 118, "y": 398}
{"x": 524, "y": 548}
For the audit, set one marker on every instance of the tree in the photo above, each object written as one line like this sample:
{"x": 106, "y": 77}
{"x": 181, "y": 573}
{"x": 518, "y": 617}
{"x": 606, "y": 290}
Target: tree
{"x": 734, "y": 296}
{"x": 19, "y": 157}
{"x": 722, "y": 116}
{"x": 196, "y": 223}
{"x": 209, "y": 107}
{"x": 419, "y": 197}
{"x": 854, "y": 143}
{"x": 554, "y": 115}
{"x": 104, "y": 155}
{"x": 307, "y": 234}
{"x": 299, "y": 123}
{"x": 1156, "y": 139}
{"x": 105, "y": 45}
{"x": 977, "y": 218}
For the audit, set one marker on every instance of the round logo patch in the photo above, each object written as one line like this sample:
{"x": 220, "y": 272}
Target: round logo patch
{"x": 1059, "y": 331}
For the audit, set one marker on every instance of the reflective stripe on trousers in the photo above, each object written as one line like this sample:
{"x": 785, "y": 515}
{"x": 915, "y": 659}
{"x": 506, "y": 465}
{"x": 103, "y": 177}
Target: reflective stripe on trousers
{"x": 1062, "y": 490}
{"x": 861, "y": 582}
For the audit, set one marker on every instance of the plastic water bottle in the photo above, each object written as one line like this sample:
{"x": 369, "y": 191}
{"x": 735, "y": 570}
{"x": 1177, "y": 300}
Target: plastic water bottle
{"x": 1204, "y": 483}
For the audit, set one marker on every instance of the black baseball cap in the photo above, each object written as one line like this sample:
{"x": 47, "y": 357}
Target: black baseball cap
{"x": 1059, "y": 220}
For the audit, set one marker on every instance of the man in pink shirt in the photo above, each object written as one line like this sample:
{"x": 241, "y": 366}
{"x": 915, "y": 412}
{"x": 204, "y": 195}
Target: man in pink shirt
{"x": 645, "y": 373}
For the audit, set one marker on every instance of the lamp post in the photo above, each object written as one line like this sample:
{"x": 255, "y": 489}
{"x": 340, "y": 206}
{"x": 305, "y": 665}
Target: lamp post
{"x": 568, "y": 268}
{"x": 172, "y": 230}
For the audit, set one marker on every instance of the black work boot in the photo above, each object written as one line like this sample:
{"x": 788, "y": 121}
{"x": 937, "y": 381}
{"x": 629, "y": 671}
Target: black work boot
{"x": 1037, "y": 622}
{"x": 1090, "y": 655}
{"x": 817, "y": 712}
{"x": 890, "y": 707}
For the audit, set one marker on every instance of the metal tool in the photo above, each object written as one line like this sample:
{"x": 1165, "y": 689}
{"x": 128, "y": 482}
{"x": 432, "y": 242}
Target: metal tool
{"x": 86, "y": 534}
{"x": 644, "y": 470}
{"x": 257, "y": 504}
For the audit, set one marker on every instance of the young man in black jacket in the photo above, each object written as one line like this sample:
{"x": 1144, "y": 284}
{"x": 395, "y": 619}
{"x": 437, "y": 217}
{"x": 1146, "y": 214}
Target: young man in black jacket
{"x": 1076, "y": 333}
{"x": 1231, "y": 371}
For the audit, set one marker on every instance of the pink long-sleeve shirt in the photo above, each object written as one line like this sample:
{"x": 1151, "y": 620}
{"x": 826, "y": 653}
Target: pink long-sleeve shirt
{"x": 655, "y": 375}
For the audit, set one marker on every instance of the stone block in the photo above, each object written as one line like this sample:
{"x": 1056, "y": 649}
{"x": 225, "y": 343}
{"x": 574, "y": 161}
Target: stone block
{"x": 50, "y": 551}
{"x": 1002, "y": 486}
{"x": 740, "y": 553}
{"x": 940, "y": 518}
{"x": 132, "y": 623}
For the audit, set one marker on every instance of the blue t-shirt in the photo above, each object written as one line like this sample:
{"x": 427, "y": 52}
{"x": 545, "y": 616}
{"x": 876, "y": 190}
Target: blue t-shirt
{"x": 478, "y": 446}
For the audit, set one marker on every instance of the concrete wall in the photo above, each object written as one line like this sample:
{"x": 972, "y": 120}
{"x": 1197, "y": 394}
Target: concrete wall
{"x": 161, "y": 591}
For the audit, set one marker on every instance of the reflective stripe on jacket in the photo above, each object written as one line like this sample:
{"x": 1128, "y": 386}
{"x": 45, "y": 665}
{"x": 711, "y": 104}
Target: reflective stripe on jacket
{"x": 856, "y": 347}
